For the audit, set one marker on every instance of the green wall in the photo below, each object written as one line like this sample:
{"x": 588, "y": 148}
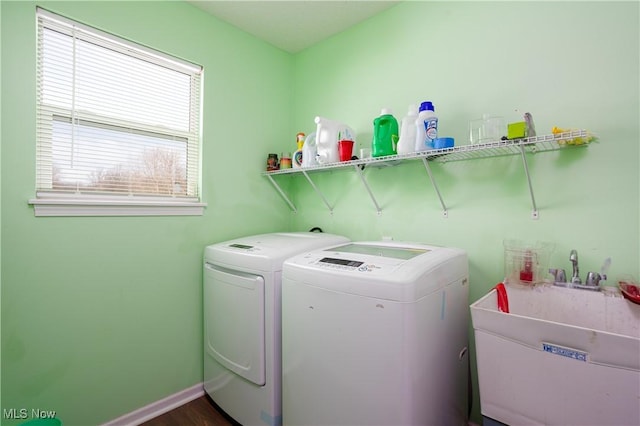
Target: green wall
{"x": 570, "y": 64}
{"x": 101, "y": 316}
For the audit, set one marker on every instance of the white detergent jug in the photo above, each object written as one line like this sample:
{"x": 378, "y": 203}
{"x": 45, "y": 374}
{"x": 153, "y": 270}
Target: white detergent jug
{"x": 406, "y": 144}
{"x": 309, "y": 151}
{"x": 328, "y": 133}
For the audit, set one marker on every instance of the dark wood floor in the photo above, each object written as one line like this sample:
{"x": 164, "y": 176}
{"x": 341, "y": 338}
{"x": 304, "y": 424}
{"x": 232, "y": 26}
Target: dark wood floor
{"x": 199, "y": 412}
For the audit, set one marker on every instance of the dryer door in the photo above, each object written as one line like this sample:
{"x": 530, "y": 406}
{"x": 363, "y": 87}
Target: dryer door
{"x": 234, "y": 321}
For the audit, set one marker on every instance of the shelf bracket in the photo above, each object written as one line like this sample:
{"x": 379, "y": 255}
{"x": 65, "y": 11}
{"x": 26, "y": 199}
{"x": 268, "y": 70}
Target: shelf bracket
{"x": 277, "y": 187}
{"x": 534, "y": 212}
{"x": 315, "y": 188}
{"x": 445, "y": 213}
{"x": 364, "y": 181}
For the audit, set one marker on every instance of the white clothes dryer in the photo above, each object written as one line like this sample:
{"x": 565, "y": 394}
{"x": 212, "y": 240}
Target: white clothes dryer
{"x": 242, "y": 322}
{"x": 375, "y": 333}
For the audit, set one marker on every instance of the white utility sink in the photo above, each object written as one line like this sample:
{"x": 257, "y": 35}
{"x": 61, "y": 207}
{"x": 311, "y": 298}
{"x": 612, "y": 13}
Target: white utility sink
{"x": 562, "y": 356}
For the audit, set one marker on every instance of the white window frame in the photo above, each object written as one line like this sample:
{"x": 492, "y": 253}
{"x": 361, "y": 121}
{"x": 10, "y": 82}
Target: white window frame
{"x": 50, "y": 202}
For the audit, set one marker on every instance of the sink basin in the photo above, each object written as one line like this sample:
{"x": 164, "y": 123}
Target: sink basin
{"x": 562, "y": 356}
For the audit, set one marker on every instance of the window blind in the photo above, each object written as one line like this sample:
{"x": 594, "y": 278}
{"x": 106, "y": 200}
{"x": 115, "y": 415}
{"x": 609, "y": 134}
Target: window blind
{"x": 113, "y": 117}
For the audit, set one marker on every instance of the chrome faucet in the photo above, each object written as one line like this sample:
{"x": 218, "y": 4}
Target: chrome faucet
{"x": 593, "y": 278}
{"x": 575, "y": 277}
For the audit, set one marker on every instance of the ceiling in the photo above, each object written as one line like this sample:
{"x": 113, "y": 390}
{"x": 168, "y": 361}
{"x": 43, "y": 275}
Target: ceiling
{"x": 293, "y": 25}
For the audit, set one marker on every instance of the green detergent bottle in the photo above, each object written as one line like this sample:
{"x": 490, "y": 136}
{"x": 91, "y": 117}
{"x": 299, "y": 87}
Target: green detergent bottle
{"x": 385, "y": 134}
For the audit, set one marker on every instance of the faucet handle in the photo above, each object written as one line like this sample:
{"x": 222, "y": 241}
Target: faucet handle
{"x": 593, "y": 279}
{"x": 562, "y": 276}
{"x": 559, "y": 275}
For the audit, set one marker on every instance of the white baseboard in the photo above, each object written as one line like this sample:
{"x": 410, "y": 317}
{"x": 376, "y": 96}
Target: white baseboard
{"x": 159, "y": 407}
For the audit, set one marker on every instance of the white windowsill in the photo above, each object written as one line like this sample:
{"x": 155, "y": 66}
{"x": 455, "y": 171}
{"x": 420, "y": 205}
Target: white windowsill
{"x": 52, "y": 205}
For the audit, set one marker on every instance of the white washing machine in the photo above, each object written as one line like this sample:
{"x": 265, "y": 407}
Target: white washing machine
{"x": 242, "y": 311}
{"x": 375, "y": 333}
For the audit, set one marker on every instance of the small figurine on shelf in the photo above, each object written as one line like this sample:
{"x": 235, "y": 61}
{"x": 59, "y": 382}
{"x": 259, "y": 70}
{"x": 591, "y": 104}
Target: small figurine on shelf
{"x": 531, "y": 128}
{"x": 297, "y": 156}
{"x": 272, "y": 162}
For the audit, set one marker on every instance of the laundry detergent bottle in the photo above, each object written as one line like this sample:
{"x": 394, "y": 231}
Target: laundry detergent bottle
{"x": 309, "y": 151}
{"x": 406, "y": 144}
{"x": 328, "y": 132}
{"x": 426, "y": 127}
{"x": 385, "y": 134}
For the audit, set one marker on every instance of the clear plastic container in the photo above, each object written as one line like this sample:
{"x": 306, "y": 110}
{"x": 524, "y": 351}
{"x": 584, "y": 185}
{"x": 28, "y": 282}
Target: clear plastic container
{"x": 493, "y": 128}
{"x": 489, "y": 128}
{"x": 526, "y": 263}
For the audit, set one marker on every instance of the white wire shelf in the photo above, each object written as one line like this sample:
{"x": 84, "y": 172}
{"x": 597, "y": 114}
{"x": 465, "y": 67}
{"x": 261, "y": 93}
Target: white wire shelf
{"x": 535, "y": 144}
{"x": 457, "y": 153}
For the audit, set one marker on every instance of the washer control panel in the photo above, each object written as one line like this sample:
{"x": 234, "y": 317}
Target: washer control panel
{"x": 243, "y": 247}
{"x": 345, "y": 264}
{"x": 340, "y": 262}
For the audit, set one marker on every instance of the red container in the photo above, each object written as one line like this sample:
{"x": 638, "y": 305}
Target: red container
{"x": 345, "y": 150}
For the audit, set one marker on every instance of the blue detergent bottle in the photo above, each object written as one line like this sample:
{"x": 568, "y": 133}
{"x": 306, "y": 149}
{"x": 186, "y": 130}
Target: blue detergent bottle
{"x": 426, "y": 127}
{"x": 385, "y": 134}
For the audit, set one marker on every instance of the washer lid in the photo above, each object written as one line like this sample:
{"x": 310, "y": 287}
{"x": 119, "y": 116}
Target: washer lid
{"x": 266, "y": 252}
{"x": 394, "y": 252}
{"x": 387, "y": 270}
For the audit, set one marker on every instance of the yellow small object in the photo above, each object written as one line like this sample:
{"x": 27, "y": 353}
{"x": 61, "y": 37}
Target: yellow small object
{"x": 516, "y": 130}
{"x": 300, "y": 140}
{"x": 574, "y": 141}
